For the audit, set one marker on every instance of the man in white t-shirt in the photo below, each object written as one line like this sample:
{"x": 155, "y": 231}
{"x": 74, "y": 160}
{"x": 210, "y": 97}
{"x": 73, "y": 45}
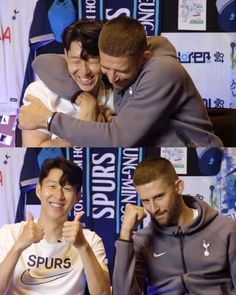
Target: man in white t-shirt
{"x": 52, "y": 255}
{"x": 61, "y": 76}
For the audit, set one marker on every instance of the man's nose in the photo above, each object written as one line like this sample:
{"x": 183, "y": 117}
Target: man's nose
{"x": 84, "y": 70}
{"x": 111, "y": 74}
{"x": 60, "y": 193}
{"x": 154, "y": 207}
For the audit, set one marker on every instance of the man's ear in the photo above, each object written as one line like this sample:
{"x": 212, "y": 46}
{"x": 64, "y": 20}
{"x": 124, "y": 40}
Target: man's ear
{"x": 38, "y": 191}
{"x": 179, "y": 186}
{"x": 146, "y": 55}
{"x": 66, "y": 54}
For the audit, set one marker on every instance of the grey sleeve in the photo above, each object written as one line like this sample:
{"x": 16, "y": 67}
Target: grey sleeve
{"x": 129, "y": 274}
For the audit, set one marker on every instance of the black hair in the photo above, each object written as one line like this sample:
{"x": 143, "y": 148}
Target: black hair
{"x": 86, "y": 32}
{"x": 72, "y": 173}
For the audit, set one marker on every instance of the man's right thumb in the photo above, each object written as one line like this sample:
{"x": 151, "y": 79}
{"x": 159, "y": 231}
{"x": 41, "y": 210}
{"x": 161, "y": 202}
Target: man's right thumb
{"x": 30, "y": 216}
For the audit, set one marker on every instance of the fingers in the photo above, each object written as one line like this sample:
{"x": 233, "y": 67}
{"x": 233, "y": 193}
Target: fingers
{"x": 134, "y": 215}
{"x": 73, "y": 231}
{"x": 86, "y": 99}
{"x": 77, "y": 101}
{"x": 141, "y": 215}
{"x": 30, "y": 216}
{"x": 30, "y": 97}
{"x": 79, "y": 215}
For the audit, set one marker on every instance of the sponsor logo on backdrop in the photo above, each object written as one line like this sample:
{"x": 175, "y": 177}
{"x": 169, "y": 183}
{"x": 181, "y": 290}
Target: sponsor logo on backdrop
{"x": 200, "y": 57}
{"x": 214, "y": 102}
{"x": 233, "y": 87}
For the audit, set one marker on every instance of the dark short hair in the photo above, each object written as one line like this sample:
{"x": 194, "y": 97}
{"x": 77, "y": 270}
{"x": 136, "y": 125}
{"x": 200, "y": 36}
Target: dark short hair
{"x": 72, "y": 173}
{"x": 122, "y": 36}
{"x": 86, "y": 32}
{"x": 154, "y": 168}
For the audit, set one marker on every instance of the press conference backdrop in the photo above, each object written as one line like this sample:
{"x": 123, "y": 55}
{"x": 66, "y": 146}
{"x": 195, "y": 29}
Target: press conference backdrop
{"x": 209, "y": 174}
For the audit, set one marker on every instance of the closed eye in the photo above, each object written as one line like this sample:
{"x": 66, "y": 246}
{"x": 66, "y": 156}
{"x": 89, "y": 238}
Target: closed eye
{"x": 68, "y": 188}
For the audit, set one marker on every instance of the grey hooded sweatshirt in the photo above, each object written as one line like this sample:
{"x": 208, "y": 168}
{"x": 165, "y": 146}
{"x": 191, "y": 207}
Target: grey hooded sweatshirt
{"x": 196, "y": 259}
{"x": 161, "y": 103}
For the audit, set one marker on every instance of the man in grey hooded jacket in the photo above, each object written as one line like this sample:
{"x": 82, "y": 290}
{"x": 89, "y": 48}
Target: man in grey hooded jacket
{"x": 187, "y": 248}
{"x": 155, "y": 99}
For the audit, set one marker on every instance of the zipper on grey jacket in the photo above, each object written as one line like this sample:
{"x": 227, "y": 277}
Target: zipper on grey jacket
{"x": 224, "y": 289}
{"x": 179, "y": 235}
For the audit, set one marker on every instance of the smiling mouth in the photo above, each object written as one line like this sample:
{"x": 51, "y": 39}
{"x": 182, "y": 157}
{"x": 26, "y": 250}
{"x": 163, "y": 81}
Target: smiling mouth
{"x": 86, "y": 80}
{"x": 56, "y": 205}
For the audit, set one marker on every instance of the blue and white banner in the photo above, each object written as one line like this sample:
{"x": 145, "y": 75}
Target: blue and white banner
{"x": 146, "y": 11}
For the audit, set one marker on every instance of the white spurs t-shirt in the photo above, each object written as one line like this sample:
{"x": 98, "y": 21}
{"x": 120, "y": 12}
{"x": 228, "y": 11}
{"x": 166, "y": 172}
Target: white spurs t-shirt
{"x": 46, "y": 268}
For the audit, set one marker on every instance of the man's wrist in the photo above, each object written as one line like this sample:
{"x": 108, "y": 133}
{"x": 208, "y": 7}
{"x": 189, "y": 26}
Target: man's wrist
{"x": 82, "y": 245}
{"x": 126, "y": 235}
{"x": 49, "y": 120}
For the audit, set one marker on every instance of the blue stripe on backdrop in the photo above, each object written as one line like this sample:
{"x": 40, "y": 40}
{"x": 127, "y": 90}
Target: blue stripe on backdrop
{"x": 118, "y": 192}
{"x": 79, "y": 9}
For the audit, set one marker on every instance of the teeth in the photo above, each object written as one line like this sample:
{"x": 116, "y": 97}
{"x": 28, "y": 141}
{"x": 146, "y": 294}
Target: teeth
{"x": 56, "y": 205}
{"x": 85, "y": 79}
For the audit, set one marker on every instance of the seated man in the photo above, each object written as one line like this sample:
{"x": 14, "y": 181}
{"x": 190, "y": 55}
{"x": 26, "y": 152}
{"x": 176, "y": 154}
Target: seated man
{"x": 56, "y": 87}
{"x": 52, "y": 255}
{"x": 155, "y": 99}
{"x": 187, "y": 248}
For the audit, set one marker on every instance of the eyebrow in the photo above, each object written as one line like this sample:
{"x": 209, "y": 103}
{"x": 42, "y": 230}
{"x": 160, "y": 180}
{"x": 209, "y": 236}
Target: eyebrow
{"x": 105, "y": 67}
{"x": 118, "y": 70}
{"x": 157, "y": 195}
{"x": 51, "y": 181}
{"x": 75, "y": 57}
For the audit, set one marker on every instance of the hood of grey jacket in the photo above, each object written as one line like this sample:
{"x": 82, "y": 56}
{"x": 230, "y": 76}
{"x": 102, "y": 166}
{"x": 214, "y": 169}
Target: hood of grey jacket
{"x": 205, "y": 215}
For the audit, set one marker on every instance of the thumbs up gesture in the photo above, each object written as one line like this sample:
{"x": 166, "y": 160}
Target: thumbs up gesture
{"x": 32, "y": 233}
{"x": 73, "y": 231}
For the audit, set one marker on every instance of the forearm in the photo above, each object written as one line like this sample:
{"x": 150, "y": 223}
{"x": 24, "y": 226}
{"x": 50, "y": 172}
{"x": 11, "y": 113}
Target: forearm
{"x": 34, "y": 138}
{"x": 97, "y": 278}
{"x": 57, "y": 142}
{"x": 128, "y": 275}
{"x": 7, "y": 268}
